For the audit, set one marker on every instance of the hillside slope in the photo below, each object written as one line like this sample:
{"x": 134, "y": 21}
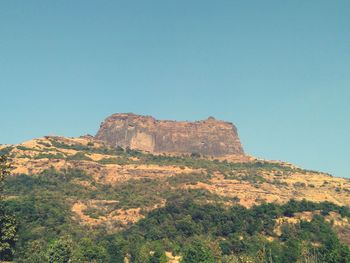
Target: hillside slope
{"x": 70, "y": 185}
{"x": 231, "y": 182}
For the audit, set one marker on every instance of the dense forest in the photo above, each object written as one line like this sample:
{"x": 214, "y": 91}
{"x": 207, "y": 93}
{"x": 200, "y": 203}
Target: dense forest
{"x": 200, "y": 233}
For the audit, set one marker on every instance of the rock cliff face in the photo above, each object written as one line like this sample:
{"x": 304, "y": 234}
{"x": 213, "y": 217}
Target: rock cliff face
{"x": 209, "y": 137}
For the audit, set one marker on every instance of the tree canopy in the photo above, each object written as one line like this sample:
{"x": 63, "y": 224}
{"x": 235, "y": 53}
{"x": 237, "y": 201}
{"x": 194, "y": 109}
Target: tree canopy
{"x": 8, "y": 228}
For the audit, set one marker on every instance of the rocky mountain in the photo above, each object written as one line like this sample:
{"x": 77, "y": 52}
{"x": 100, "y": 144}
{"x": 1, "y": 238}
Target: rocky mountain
{"x": 88, "y": 186}
{"x": 209, "y": 137}
{"x": 230, "y": 178}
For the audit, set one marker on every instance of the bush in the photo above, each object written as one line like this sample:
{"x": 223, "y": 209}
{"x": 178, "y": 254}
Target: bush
{"x": 79, "y": 156}
{"x": 197, "y": 252}
{"x": 49, "y": 156}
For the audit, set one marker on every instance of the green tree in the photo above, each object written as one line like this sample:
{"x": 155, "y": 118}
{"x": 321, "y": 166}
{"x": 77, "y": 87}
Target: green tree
{"x": 8, "y": 235}
{"x": 5, "y": 167}
{"x": 158, "y": 256}
{"x": 292, "y": 251}
{"x": 142, "y": 254}
{"x": 116, "y": 247}
{"x": 89, "y": 251}
{"x": 335, "y": 252}
{"x": 197, "y": 252}
{"x": 8, "y": 226}
{"x": 60, "y": 251}
{"x": 35, "y": 251}
{"x": 186, "y": 226}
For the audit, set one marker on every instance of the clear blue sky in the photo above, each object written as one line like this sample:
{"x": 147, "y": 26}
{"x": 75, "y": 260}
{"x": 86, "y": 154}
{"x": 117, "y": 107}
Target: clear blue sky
{"x": 280, "y": 70}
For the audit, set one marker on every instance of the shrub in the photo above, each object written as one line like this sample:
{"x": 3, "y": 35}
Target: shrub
{"x": 79, "y": 156}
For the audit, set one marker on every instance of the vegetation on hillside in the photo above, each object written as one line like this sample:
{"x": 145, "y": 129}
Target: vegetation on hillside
{"x": 231, "y": 170}
{"x": 8, "y": 227}
{"x": 188, "y": 225}
{"x": 197, "y": 232}
{"x": 192, "y": 224}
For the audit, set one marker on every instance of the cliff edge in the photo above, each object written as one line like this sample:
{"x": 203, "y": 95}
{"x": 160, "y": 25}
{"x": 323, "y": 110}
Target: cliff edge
{"x": 208, "y": 137}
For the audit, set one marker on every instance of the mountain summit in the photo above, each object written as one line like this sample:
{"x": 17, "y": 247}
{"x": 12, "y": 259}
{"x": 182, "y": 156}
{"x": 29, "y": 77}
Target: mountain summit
{"x": 152, "y": 190}
{"x": 208, "y": 137}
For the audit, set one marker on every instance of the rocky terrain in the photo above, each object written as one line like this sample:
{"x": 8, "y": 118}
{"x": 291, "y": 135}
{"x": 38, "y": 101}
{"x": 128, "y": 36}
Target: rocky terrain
{"x": 137, "y": 169}
{"x": 229, "y": 182}
{"x": 209, "y": 137}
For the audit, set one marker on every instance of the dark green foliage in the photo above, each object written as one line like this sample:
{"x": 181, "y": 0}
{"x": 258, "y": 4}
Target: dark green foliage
{"x": 24, "y": 148}
{"x": 33, "y": 252}
{"x": 79, "y": 156}
{"x": 89, "y": 251}
{"x": 192, "y": 224}
{"x": 8, "y": 234}
{"x": 299, "y": 185}
{"x": 52, "y": 182}
{"x": 8, "y": 224}
{"x": 182, "y": 226}
{"x": 114, "y": 160}
{"x": 241, "y": 231}
{"x": 5, "y": 167}
{"x": 49, "y": 156}
{"x": 42, "y": 208}
{"x": 60, "y": 251}
{"x": 83, "y": 148}
{"x": 293, "y": 251}
{"x": 197, "y": 252}
{"x": 195, "y": 155}
{"x": 158, "y": 255}
{"x": 44, "y": 144}
{"x": 6, "y": 150}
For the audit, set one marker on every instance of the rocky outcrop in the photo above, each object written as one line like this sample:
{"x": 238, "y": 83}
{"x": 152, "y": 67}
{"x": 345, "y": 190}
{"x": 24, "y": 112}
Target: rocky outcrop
{"x": 209, "y": 137}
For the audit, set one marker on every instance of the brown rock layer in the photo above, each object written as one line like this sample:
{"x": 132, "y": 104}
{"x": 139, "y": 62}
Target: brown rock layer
{"x": 209, "y": 137}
